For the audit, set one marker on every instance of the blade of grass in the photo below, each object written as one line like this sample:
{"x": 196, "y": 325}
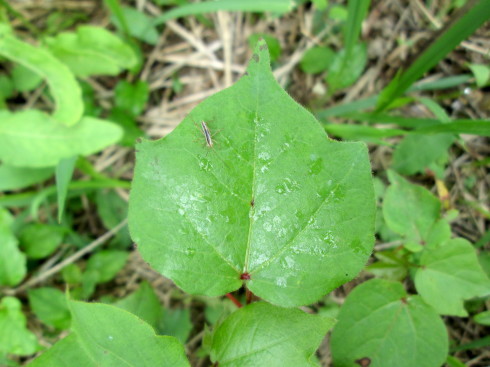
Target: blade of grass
{"x": 474, "y": 127}
{"x": 356, "y": 12}
{"x": 357, "y": 132}
{"x": 276, "y": 6}
{"x": 64, "y": 173}
{"x": 115, "y": 8}
{"x": 366, "y": 103}
{"x": 407, "y": 122}
{"x": 469, "y": 18}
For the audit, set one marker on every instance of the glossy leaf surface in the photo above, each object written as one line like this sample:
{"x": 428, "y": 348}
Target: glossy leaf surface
{"x": 32, "y": 138}
{"x": 381, "y": 326}
{"x": 273, "y": 202}
{"x": 450, "y": 274}
{"x": 264, "y": 335}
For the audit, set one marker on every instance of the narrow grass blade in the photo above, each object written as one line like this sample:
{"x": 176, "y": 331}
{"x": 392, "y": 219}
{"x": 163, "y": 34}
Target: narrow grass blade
{"x": 277, "y": 6}
{"x": 356, "y": 10}
{"x": 115, "y": 8}
{"x": 464, "y": 23}
{"x": 474, "y": 127}
{"x": 64, "y": 173}
{"x": 370, "y": 102}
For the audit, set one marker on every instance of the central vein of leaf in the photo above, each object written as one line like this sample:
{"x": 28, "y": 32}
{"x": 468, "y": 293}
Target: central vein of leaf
{"x": 254, "y": 176}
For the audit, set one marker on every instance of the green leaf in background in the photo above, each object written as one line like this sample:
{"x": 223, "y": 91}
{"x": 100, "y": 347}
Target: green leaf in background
{"x": 15, "y": 338}
{"x": 483, "y": 318}
{"x": 271, "y": 204}
{"x": 131, "y": 97}
{"x": 71, "y": 274}
{"x": 448, "y": 275}
{"x": 481, "y": 73}
{"x": 92, "y": 51}
{"x": 417, "y": 151}
{"x": 32, "y": 138}
{"x": 12, "y": 261}
{"x": 276, "y": 6}
{"x": 410, "y": 210}
{"x": 345, "y": 68}
{"x": 391, "y": 265}
{"x": 390, "y": 329}
{"x": 12, "y": 178}
{"x": 102, "y": 267}
{"x": 454, "y": 362}
{"x": 63, "y": 86}
{"x": 25, "y": 79}
{"x": 463, "y": 24}
{"x": 317, "y": 60}
{"x": 176, "y": 322}
{"x": 272, "y": 43}
{"x": 40, "y": 240}
{"x": 217, "y": 309}
{"x": 64, "y": 173}
{"x": 112, "y": 210}
{"x": 139, "y": 25}
{"x": 6, "y": 89}
{"x": 49, "y": 305}
{"x": 107, "y": 336}
{"x": 128, "y": 124}
{"x": 143, "y": 303}
{"x": 264, "y": 335}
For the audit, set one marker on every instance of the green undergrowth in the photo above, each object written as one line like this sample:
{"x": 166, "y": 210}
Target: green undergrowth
{"x": 249, "y": 206}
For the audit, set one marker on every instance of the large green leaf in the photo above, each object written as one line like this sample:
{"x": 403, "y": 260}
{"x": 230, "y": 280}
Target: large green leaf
{"x": 32, "y": 138}
{"x": 264, "y": 335}
{"x": 92, "y": 51}
{"x": 380, "y": 326}
{"x": 106, "y": 336}
{"x": 63, "y": 86}
{"x": 448, "y": 275}
{"x": 12, "y": 261}
{"x": 15, "y": 338}
{"x": 273, "y": 202}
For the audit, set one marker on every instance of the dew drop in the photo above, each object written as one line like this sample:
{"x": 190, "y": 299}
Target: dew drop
{"x": 189, "y": 251}
{"x": 110, "y": 337}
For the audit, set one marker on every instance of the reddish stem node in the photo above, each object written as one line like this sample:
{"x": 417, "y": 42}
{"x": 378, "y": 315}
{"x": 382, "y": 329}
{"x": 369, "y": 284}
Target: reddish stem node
{"x": 245, "y": 276}
{"x": 234, "y": 300}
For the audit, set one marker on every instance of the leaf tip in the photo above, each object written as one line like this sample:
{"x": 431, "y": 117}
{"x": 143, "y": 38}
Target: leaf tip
{"x": 260, "y": 57}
